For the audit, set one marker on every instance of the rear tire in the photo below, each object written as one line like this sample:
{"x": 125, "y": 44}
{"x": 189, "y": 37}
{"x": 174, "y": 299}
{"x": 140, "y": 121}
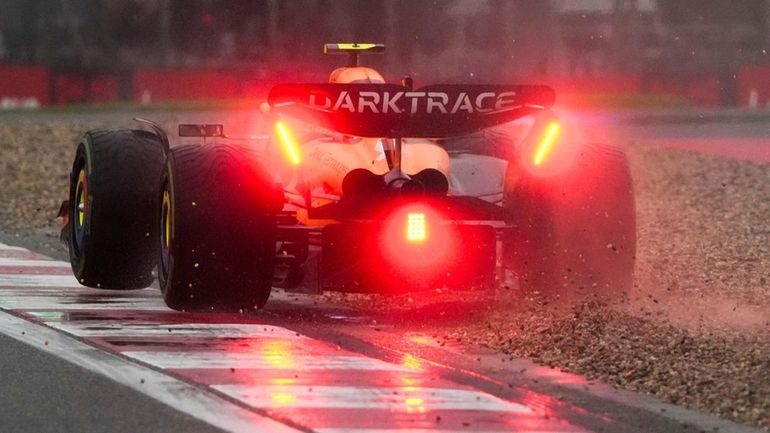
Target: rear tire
{"x": 217, "y": 229}
{"x": 575, "y": 232}
{"x": 113, "y": 202}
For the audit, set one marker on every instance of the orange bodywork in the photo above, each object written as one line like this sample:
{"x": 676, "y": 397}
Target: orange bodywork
{"x": 325, "y": 164}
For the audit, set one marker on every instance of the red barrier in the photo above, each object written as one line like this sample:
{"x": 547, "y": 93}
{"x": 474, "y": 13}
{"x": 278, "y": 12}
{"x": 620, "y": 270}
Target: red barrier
{"x": 67, "y": 89}
{"x": 78, "y": 88}
{"x": 24, "y": 83}
{"x": 104, "y": 89}
{"x": 754, "y": 86}
{"x": 167, "y": 85}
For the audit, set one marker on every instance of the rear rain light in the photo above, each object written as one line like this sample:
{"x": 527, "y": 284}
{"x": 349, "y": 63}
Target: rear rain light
{"x": 416, "y": 230}
{"x": 545, "y": 147}
{"x": 289, "y": 144}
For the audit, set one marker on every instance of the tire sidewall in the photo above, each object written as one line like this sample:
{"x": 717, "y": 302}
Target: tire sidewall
{"x": 206, "y": 233}
{"x": 83, "y": 161}
{"x": 561, "y": 244}
{"x": 121, "y": 170}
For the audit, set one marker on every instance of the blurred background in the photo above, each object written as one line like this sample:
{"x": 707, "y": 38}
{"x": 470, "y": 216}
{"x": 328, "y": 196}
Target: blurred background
{"x": 676, "y": 52}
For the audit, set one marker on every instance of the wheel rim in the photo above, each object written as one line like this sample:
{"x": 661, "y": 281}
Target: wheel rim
{"x": 166, "y": 231}
{"x": 81, "y": 209}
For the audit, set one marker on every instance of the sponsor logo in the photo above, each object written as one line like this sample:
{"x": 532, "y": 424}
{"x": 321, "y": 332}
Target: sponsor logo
{"x": 414, "y": 102}
{"x": 326, "y": 158}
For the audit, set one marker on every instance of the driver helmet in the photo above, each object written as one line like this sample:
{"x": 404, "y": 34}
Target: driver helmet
{"x": 357, "y": 75}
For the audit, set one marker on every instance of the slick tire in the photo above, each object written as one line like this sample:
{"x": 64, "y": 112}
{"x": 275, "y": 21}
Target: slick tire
{"x": 575, "y": 232}
{"x": 217, "y": 229}
{"x": 113, "y": 206}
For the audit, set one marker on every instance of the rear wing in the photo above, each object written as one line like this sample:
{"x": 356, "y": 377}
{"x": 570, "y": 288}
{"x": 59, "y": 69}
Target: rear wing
{"x": 391, "y": 110}
{"x": 353, "y": 50}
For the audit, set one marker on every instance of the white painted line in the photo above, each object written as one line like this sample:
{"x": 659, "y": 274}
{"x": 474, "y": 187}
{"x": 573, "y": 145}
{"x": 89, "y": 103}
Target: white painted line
{"x": 414, "y": 399}
{"x": 20, "y": 280}
{"x": 174, "y": 393}
{"x": 267, "y": 361}
{"x": 72, "y": 303}
{"x": 411, "y": 430}
{"x": 80, "y": 291}
{"x": 6, "y": 261}
{"x": 12, "y": 248}
{"x": 224, "y": 330}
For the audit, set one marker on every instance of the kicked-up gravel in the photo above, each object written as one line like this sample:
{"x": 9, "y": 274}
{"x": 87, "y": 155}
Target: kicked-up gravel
{"x": 695, "y": 330}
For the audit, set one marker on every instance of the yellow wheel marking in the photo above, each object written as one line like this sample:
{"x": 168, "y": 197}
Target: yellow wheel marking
{"x": 81, "y": 190}
{"x": 167, "y": 219}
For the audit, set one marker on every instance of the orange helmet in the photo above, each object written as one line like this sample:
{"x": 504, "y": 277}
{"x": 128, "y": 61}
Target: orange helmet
{"x": 355, "y": 74}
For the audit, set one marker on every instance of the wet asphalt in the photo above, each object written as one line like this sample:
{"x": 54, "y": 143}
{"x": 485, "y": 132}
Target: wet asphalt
{"x": 42, "y": 393}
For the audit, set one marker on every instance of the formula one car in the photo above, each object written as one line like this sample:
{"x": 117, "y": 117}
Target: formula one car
{"x": 361, "y": 186}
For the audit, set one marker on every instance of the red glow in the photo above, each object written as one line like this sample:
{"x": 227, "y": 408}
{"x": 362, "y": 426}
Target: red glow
{"x": 406, "y": 243}
{"x": 420, "y": 339}
{"x": 420, "y": 247}
{"x": 280, "y": 399}
{"x": 289, "y": 144}
{"x": 411, "y": 362}
{"x": 414, "y": 253}
{"x": 278, "y": 354}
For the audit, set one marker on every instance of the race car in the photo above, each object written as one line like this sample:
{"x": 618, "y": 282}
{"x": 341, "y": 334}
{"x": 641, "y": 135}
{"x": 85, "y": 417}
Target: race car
{"x": 360, "y": 186}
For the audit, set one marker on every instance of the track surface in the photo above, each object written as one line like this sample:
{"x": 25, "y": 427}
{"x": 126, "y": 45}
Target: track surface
{"x": 272, "y": 371}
